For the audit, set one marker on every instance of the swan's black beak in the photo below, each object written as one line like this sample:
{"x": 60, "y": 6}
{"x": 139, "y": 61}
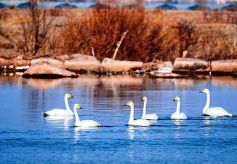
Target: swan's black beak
{"x": 80, "y": 108}
{"x": 201, "y": 91}
{"x": 125, "y": 105}
{"x": 72, "y": 97}
{"x": 174, "y": 100}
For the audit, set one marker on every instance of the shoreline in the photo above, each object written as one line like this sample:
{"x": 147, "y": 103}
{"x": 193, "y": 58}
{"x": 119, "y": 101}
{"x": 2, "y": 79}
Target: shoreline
{"x": 84, "y": 64}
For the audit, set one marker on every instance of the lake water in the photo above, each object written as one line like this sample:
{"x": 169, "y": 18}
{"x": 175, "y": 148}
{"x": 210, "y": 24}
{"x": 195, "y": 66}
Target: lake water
{"x": 27, "y": 137}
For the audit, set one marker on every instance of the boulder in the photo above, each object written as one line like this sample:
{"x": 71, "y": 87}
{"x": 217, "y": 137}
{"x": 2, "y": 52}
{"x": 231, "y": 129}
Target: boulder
{"x": 46, "y": 70}
{"x": 47, "y": 60}
{"x": 21, "y": 62}
{"x": 21, "y": 68}
{"x": 110, "y": 65}
{"x": 152, "y": 66}
{"x": 189, "y": 64}
{"x": 82, "y": 63}
{"x": 166, "y": 75}
{"x": 4, "y": 62}
{"x": 63, "y": 57}
{"x": 224, "y": 66}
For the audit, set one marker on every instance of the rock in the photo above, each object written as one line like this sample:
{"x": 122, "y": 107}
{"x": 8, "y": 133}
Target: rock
{"x": 63, "y": 57}
{"x": 21, "y": 62}
{"x": 21, "y": 68}
{"x": 153, "y": 66}
{"x": 168, "y": 64}
{"x": 82, "y": 63}
{"x": 166, "y": 75}
{"x": 189, "y": 64}
{"x": 4, "y": 62}
{"x": 47, "y": 70}
{"x": 47, "y": 60}
{"x": 110, "y": 65}
{"x": 224, "y": 66}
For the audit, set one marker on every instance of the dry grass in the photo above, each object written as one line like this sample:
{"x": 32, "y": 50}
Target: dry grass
{"x": 102, "y": 29}
{"x": 151, "y": 34}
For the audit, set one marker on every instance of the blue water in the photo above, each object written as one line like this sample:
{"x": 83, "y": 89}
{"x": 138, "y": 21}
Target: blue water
{"x": 27, "y": 137}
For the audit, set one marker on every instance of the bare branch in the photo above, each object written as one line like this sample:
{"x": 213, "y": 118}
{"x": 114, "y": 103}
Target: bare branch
{"x": 119, "y": 43}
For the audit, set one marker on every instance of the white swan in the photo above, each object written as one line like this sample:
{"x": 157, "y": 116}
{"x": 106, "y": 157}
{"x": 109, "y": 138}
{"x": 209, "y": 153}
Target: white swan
{"x": 145, "y": 116}
{"x": 139, "y": 122}
{"x": 83, "y": 123}
{"x": 213, "y": 111}
{"x": 177, "y": 115}
{"x": 61, "y": 112}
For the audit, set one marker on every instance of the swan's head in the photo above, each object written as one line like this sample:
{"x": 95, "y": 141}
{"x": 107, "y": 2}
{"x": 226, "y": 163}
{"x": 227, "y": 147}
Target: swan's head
{"x": 176, "y": 98}
{"x": 77, "y": 106}
{"x": 144, "y": 98}
{"x": 130, "y": 103}
{"x": 68, "y": 95}
{"x": 204, "y": 91}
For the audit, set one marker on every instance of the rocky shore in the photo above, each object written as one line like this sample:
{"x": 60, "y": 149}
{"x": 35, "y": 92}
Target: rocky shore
{"x": 71, "y": 66}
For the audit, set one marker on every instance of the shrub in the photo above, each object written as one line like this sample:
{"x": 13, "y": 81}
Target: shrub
{"x": 101, "y": 29}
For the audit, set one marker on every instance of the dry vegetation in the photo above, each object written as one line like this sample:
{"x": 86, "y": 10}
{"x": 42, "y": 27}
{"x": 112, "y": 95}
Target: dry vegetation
{"x": 151, "y": 35}
{"x": 102, "y": 29}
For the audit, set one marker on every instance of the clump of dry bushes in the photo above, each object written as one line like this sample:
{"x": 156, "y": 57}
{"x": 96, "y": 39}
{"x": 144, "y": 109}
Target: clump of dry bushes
{"x": 150, "y": 39}
{"x": 101, "y": 29}
{"x": 148, "y": 34}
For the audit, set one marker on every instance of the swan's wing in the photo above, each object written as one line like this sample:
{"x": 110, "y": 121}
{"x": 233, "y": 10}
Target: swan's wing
{"x": 57, "y": 112}
{"x": 152, "y": 116}
{"x": 141, "y": 122}
{"x": 89, "y": 123}
{"x": 183, "y": 115}
{"x": 173, "y": 116}
{"x": 178, "y": 116}
{"x": 217, "y": 111}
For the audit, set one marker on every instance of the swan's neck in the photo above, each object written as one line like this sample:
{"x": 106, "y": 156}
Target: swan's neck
{"x": 77, "y": 122}
{"x": 67, "y": 105}
{"x": 131, "y": 118}
{"x": 178, "y": 107}
{"x": 207, "y": 102}
{"x": 144, "y": 109}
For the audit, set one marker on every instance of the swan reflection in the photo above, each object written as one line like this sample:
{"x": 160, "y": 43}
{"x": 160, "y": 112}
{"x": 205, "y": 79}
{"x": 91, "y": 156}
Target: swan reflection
{"x": 132, "y": 130}
{"x": 178, "y": 127}
{"x": 76, "y": 133}
{"x": 206, "y": 127}
{"x": 178, "y": 123}
{"x": 60, "y": 120}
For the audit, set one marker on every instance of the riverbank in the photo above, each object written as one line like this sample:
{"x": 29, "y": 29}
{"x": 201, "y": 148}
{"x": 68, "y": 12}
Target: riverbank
{"x": 149, "y": 34}
{"x": 73, "y": 65}
{"x": 143, "y": 42}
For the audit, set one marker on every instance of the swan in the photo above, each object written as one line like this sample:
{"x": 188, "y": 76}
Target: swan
{"x": 61, "y": 112}
{"x": 177, "y": 115}
{"x": 83, "y": 123}
{"x": 145, "y": 116}
{"x": 213, "y": 111}
{"x": 139, "y": 122}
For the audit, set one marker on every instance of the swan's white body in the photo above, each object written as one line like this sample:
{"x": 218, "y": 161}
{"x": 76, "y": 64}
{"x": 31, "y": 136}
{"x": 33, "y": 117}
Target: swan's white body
{"x": 213, "y": 111}
{"x": 178, "y": 115}
{"x": 83, "y": 123}
{"x": 146, "y": 116}
{"x": 61, "y": 112}
{"x": 139, "y": 122}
